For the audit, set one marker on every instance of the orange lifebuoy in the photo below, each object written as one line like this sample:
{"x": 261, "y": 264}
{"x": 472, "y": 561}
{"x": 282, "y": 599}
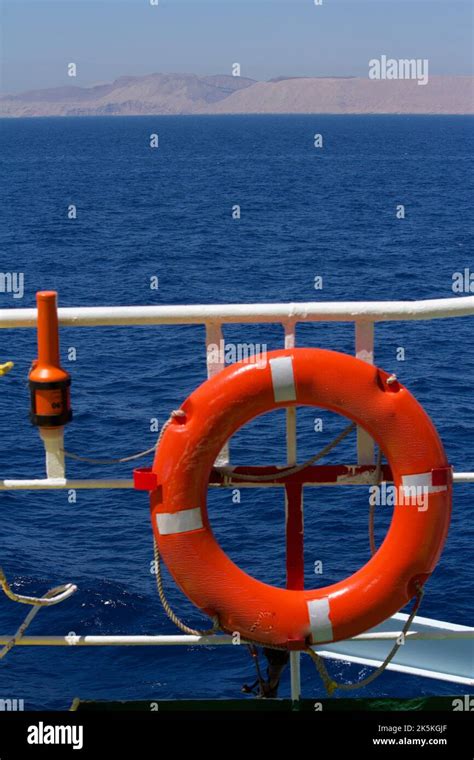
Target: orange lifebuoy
{"x": 342, "y": 384}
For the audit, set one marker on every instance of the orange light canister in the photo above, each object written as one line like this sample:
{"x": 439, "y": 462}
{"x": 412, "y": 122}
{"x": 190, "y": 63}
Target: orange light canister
{"x": 49, "y": 382}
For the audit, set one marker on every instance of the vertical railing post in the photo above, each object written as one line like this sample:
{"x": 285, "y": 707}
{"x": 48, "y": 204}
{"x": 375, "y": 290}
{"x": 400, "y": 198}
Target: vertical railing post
{"x": 53, "y": 441}
{"x": 293, "y": 523}
{"x": 364, "y": 348}
{"x": 215, "y": 362}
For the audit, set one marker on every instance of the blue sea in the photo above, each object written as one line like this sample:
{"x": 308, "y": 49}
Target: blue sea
{"x": 167, "y": 212}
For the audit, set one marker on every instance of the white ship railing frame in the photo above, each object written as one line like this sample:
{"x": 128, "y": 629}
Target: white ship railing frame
{"x": 364, "y": 315}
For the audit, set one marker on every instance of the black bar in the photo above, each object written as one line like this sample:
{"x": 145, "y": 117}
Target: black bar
{"x": 357, "y": 733}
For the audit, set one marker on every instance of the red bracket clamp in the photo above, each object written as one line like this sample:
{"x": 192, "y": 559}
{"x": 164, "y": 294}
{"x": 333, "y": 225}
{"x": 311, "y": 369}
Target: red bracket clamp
{"x": 442, "y": 476}
{"x": 144, "y": 479}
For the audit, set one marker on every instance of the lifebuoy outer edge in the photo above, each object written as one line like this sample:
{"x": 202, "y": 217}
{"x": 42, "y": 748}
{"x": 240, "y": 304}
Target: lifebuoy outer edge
{"x": 223, "y": 404}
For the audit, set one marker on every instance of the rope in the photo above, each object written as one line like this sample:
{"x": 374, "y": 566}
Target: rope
{"x": 182, "y": 626}
{"x": 179, "y": 623}
{"x": 78, "y": 458}
{"x": 20, "y": 632}
{"x": 53, "y": 596}
{"x": 167, "y": 607}
{"x": 286, "y": 471}
{"x": 5, "y": 368}
{"x": 120, "y": 460}
{"x": 253, "y": 651}
{"x": 330, "y": 685}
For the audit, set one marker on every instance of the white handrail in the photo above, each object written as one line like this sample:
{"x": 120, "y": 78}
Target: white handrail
{"x": 73, "y": 639}
{"x": 312, "y": 311}
{"x": 55, "y": 484}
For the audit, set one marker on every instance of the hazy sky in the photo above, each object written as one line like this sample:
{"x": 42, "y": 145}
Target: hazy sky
{"x": 268, "y": 38}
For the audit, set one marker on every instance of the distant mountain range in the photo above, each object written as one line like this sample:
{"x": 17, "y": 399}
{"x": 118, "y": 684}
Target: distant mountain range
{"x": 222, "y": 94}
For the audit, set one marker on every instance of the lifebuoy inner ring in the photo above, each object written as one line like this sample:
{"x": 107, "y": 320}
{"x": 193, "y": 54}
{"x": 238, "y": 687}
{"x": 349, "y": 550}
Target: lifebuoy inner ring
{"x": 342, "y": 384}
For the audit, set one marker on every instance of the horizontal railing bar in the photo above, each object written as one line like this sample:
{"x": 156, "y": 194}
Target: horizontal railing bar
{"x": 427, "y": 635}
{"x": 73, "y": 639}
{"x": 312, "y": 311}
{"x": 55, "y": 484}
{"x": 463, "y": 477}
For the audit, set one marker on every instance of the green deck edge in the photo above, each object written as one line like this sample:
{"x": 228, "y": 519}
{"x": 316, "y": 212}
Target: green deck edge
{"x": 391, "y": 704}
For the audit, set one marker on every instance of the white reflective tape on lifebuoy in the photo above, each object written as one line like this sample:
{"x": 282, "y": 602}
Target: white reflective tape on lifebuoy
{"x": 283, "y": 379}
{"x": 179, "y": 522}
{"x": 423, "y": 482}
{"x": 321, "y": 627}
